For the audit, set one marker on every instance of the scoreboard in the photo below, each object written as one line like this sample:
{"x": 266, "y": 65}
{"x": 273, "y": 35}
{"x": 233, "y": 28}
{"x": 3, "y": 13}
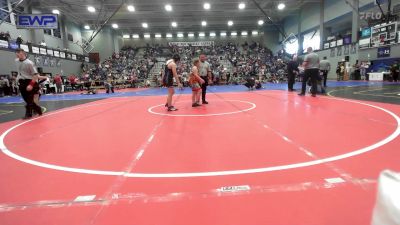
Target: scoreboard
{"x": 384, "y": 34}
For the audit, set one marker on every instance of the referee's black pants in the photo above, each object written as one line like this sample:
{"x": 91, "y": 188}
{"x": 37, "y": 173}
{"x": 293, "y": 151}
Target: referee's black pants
{"x": 313, "y": 75}
{"x": 28, "y": 97}
{"x": 291, "y": 81}
{"x": 204, "y": 88}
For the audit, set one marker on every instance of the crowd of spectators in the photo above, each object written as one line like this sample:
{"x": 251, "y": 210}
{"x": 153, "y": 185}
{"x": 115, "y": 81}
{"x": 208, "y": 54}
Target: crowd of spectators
{"x": 256, "y": 60}
{"x": 127, "y": 68}
{"x": 5, "y": 36}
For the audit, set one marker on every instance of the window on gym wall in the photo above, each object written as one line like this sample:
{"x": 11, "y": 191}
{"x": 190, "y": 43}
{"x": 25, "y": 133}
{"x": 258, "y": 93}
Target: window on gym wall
{"x": 292, "y": 46}
{"x": 47, "y": 31}
{"x": 311, "y": 39}
{"x": 4, "y": 11}
{"x": 57, "y": 32}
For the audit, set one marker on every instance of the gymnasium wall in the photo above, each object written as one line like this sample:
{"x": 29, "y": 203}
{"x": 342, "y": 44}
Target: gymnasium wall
{"x": 103, "y": 43}
{"x": 7, "y": 64}
{"x": 36, "y": 36}
{"x": 269, "y": 38}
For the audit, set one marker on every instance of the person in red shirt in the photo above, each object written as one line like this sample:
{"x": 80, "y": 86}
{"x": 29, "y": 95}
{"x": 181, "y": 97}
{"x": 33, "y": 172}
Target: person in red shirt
{"x": 58, "y": 82}
{"x": 72, "y": 81}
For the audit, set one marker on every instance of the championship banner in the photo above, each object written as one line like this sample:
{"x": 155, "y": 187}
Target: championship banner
{"x": 194, "y": 43}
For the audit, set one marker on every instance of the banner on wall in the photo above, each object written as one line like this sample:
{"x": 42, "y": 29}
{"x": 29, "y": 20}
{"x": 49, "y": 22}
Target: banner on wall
{"x": 37, "y": 21}
{"x": 50, "y": 52}
{"x": 43, "y": 51}
{"x": 35, "y": 50}
{"x": 3, "y": 44}
{"x": 193, "y": 43}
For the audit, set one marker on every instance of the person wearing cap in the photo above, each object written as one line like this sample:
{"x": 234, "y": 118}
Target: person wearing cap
{"x": 168, "y": 80}
{"x": 205, "y": 74}
{"x": 28, "y": 78}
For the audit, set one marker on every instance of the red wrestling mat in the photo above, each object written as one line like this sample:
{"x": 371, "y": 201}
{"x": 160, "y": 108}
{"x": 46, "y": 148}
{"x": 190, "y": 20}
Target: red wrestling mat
{"x": 246, "y": 158}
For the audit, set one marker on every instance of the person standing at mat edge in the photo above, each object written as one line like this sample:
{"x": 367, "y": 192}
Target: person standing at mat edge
{"x": 293, "y": 70}
{"x": 205, "y": 74}
{"x": 168, "y": 80}
{"x": 311, "y": 71}
{"x": 28, "y": 78}
{"x": 325, "y": 67}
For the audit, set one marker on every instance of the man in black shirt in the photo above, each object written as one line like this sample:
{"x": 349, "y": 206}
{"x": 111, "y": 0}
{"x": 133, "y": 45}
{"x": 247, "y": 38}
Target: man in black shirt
{"x": 395, "y": 69}
{"x": 293, "y": 70}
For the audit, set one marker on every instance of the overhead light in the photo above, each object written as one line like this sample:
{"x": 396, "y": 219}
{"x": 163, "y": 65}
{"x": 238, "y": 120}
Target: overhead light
{"x": 281, "y": 6}
{"x": 169, "y": 35}
{"x": 174, "y": 24}
{"x": 131, "y": 8}
{"x": 254, "y": 32}
{"x": 222, "y": 34}
{"x": 203, "y": 23}
{"x": 202, "y": 34}
{"x": 146, "y": 35}
{"x": 115, "y": 26}
{"x": 180, "y": 35}
{"x": 87, "y": 27}
{"x": 158, "y": 36}
{"x": 244, "y": 33}
{"x": 242, "y": 5}
{"x": 212, "y": 34}
{"x": 126, "y": 36}
{"x": 260, "y": 22}
{"x": 230, "y": 23}
{"x": 233, "y": 33}
{"x": 168, "y": 7}
{"x": 145, "y": 25}
{"x": 56, "y": 11}
{"x": 136, "y": 36}
{"x": 91, "y": 9}
{"x": 191, "y": 35}
{"x": 207, "y": 6}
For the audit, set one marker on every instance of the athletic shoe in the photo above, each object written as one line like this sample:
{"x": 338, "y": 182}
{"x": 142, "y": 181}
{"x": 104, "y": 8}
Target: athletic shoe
{"x": 205, "y": 102}
{"x": 314, "y": 95}
{"x": 301, "y": 94}
{"x": 171, "y": 108}
{"x": 196, "y": 104}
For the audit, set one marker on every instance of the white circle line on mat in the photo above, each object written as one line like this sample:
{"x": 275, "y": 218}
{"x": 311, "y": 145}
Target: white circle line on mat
{"x": 360, "y": 151}
{"x": 253, "y": 106}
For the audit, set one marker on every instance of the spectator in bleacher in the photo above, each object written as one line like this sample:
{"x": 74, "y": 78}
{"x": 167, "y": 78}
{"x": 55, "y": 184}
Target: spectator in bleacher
{"x": 19, "y": 40}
